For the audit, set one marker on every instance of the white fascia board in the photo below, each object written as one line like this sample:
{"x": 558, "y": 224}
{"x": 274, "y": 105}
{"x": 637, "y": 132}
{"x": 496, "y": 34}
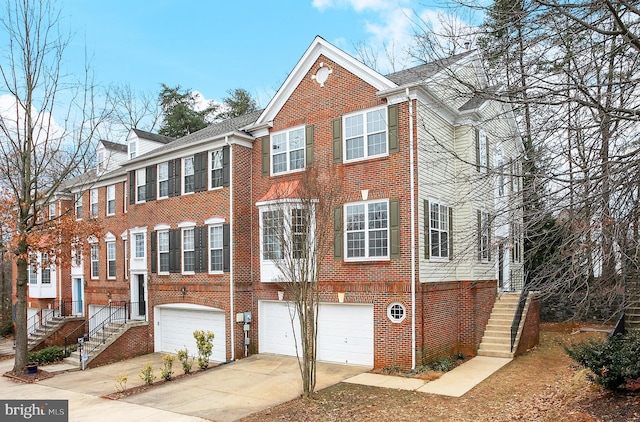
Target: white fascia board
{"x": 318, "y": 47}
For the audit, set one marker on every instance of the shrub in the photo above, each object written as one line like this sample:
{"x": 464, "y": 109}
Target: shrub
{"x": 167, "y": 365}
{"x": 612, "y": 361}
{"x": 6, "y": 328}
{"x": 204, "y": 342}
{"x": 47, "y": 355}
{"x": 121, "y": 383}
{"x": 187, "y": 363}
{"x": 147, "y": 375}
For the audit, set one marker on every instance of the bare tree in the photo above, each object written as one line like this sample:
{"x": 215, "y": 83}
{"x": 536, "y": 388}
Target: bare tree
{"x": 38, "y": 153}
{"x": 297, "y": 233}
{"x": 132, "y": 110}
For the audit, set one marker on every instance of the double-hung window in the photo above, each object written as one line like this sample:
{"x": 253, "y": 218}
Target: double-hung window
{"x": 32, "y": 269}
{"x": 133, "y": 149}
{"x": 215, "y": 249}
{"x": 93, "y": 196}
{"x": 188, "y": 250}
{"x": 52, "y": 211}
{"x": 163, "y": 180}
{"x": 287, "y": 150}
{"x": 163, "y": 251}
{"x": 95, "y": 263}
{"x": 365, "y": 134}
{"x": 367, "y": 230}
{"x": 189, "y": 175}
{"x": 216, "y": 168}
{"x": 484, "y": 236}
{"x": 439, "y": 230}
{"x": 141, "y": 185}
{"x": 272, "y": 234}
{"x": 139, "y": 245}
{"x": 79, "y": 205}
{"x": 111, "y": 199}
{"x": 46, "y": 269}
{"x": 111, "y": 260}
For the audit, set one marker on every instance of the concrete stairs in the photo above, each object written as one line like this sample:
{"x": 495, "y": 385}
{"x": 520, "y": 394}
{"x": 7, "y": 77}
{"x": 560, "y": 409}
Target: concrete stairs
{"x": 46, "y": 329}
{"x": 100, "y": 342}
{"x": 632, "y": 309}
{"x": 496, "y": 341}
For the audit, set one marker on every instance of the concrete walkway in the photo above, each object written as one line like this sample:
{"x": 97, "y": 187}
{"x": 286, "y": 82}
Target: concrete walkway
{"x": 454, "y": 383}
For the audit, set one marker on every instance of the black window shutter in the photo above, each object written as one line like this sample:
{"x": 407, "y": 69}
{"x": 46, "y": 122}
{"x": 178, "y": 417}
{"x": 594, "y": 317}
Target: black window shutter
{"x": 200, "y": 171}
{"x": 427, "y": 229}
{"x": 154, "y": 254}
{"x": 200, "y": 240}
{"x": 174, "y": 177}
{"x": 174, "y": 251}
{"x": 337, "y": 233}
{"x": 226, "y": 165}
{"x": 266, "y": 150}
{"x": 309, "y": 144}
{"x": 150, "y": 188}
{"x": 392, "y": 113}
{"x": 336, "y": 137}
{"x": 132, "y": 187}
{"x": 450, "y": 231}
{"x": 477, "y": 150}
{"x": 226, "y": 248}
{"x": 394, "y": 228}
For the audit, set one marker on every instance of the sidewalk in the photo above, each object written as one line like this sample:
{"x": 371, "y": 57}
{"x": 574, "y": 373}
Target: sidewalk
{"x": 454, "y": 383}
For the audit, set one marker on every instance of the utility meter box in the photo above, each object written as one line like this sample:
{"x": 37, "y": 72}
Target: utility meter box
{"x": 247, "y": 317}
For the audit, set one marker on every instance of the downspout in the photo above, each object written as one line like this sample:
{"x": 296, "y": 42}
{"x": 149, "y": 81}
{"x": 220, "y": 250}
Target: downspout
{"x": 413, "y": 236}
{"x": 231, "y": 307}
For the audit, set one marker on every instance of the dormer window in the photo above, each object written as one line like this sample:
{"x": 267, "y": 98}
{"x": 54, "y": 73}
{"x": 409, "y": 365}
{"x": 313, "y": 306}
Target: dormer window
{"x": 133, "y": 149}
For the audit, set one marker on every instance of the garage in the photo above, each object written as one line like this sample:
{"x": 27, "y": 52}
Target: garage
{"x": 345, "y": 331}
{"x": 176, "y": 323}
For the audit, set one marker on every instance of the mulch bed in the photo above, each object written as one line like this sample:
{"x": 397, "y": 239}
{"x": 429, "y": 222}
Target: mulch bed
{"x": 28, "y": 378}
{"x": 145, "y": 387}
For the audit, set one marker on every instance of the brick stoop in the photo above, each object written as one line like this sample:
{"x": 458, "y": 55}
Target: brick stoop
{"x": 496, "y": 341}
{"x": 110, "y": 334}
{"x": 43, "y": 332}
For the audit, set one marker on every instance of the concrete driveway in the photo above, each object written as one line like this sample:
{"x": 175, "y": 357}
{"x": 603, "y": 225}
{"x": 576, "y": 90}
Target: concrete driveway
{"x": 224, "y": 393}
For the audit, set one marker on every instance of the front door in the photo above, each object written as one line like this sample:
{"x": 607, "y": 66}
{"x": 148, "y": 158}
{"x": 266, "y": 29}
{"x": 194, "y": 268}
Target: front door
{"x": 504, "y": 279}
{"x": 141, "y": 302}
{"x": 78, "y": 306}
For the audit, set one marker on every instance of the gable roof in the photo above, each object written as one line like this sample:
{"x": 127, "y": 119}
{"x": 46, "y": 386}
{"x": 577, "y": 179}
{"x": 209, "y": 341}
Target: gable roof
{"x": 319, "y": 47}
{"x": 152, "y": 136}
{"x": 425, "y": 71}
{"x": 113, "y": 146}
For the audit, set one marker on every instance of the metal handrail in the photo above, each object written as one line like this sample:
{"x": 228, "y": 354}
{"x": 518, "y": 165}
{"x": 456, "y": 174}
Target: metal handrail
{"x": 518, "y": 317}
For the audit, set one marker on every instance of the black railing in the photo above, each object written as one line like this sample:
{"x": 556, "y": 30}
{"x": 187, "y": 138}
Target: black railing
{"x": 619, "y": 328}
{"x": 515, "y": 325}
{"x": 94, "y": 330}
{"x": 44, "y": 317}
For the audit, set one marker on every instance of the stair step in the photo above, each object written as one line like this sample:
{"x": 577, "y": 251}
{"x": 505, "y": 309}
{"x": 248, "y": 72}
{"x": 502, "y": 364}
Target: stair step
{"x": 495, "y": 354}
{"x": 499, "y": 347}
{"x": 496, "y": 340}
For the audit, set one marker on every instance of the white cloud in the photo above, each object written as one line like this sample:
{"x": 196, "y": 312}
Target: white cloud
{"x": 358, "y": 5}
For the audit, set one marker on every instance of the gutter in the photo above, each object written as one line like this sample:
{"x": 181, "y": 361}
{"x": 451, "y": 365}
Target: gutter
{"x": 413, "y": 235}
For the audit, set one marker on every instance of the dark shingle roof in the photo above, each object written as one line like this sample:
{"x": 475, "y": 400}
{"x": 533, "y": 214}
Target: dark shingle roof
{"x": 424, "y": 71}
{"x": 480, "y": 98}
{"x": 113, "y": 146}
{"x": 153, "y": 136}
{"x": 216, "y": 129}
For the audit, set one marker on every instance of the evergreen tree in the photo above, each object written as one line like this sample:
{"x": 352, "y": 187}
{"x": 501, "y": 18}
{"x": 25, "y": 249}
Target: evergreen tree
{"x": 180, "y": 114}
{"x": 239, "y": 102}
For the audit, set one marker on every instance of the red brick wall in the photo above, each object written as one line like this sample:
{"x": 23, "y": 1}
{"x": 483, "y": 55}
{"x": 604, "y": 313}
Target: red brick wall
{"x": 530, "y": 336}
{"x": 57, "y": 338}
{"x": 134, "y": 342}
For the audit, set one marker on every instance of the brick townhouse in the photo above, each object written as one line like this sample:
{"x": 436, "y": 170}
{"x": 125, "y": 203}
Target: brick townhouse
{"x": 426, "y": 230}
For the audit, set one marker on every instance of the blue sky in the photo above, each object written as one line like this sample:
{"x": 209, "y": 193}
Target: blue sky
{"x": 214, "y": 46}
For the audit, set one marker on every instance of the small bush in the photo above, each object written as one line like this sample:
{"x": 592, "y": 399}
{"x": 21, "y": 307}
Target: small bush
{"x": 393, "y": 369}
{"x": 121, "y": 383}
{"x": 167, "y": 365}
{"x": 204, "y": 342}
{"x": 6, "y": 328}
{"x": 187, "y": 363}
{"x": 47, "y": 355}
{"x": 147, "y": 375}
{"x": 612, "y": 362}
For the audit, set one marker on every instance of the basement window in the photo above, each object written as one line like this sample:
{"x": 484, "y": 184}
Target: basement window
{"x": 396, "y": 312}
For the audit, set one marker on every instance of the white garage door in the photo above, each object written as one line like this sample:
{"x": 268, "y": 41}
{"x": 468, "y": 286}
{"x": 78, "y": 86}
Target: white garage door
{"x": 175, "y": 325}
{"x": 345, "y": 332}
{"x": 275, "y": 329}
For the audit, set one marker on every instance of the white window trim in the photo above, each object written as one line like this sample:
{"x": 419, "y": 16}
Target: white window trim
{"x": 184, "y": 174}
{"x": 286, "y": 206}
{"x": 440, "y": 203}
{"x": 132, "y": 149}
{"x": 166, "y": 163}
{"x": 288, "y": 151}
{"x": 141, "y": 176}
{"x": 135, "y": 246}
{"x": 366, "y": 231}
{"x": 211, "y": 169}
{"x": 485, "y": 229}
{"x": 52, "y": 211}
{"x": 77, "y": 205}
{"x": 111, "y": 197}
{"x": 390, "y": 314}
{"x": 109, "y": 243}
{"x": 159, "y": 251}
{"x": 483, "y": 146}
{"x": 210, "y": 248}
{"x": 91, "y": 261}
{"x": 183, "y": 250}
{"x": 364, "y": 134}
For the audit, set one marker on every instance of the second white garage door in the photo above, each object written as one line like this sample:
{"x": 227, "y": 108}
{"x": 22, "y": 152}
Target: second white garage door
{"x": 175, "y": 325}
{"x": 345, "y": 332}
